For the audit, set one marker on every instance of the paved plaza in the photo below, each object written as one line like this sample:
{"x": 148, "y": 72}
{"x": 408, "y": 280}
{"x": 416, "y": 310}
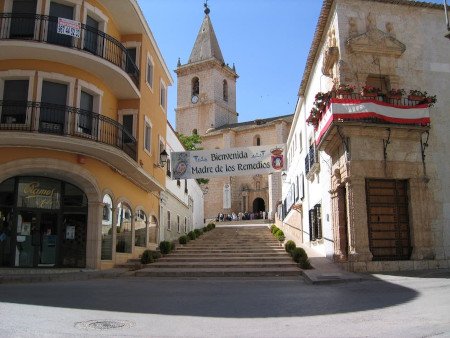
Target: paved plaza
{"x": 382, "y": 305}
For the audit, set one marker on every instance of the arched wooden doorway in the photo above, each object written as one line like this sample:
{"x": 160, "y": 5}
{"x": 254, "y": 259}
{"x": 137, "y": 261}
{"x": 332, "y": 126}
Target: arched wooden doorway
{"x": 259, "y": 205}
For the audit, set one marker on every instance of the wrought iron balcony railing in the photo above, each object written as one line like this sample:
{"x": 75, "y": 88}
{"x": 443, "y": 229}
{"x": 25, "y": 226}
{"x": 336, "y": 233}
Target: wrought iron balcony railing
{"x": 68, "y": 121}
{"x": 43, "y": 28}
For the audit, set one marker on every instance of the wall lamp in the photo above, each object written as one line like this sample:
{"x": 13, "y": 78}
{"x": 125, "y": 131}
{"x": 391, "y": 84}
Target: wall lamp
{"x": 162, "y": 159}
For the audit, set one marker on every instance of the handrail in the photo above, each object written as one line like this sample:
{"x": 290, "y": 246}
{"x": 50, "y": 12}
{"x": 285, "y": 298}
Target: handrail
{"x": 43, "y": 28}
{"x": 50, "y": 118}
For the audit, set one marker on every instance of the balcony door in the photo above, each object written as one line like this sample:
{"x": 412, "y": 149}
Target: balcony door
{"x": 53, "y": 107}
{"x": 58, "y": 10}
{"x": 91, "y": 41}
{"x": 87, "y": 119}
{"x": 14, "y": 107}
{"x": 23, "y": 19}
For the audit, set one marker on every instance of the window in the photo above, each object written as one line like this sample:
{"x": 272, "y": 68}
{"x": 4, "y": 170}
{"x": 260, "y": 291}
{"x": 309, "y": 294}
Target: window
{"x": 131, "y": 59}
{"x": 15, "y": 97}
{"x": 257, "y": 140}
{"x": 315, "y": 223}
{"x": 163, "y": 96}
{"x": 128, "y": 119}
{"x": 168, "y": 220}
{"x": 195, "y": 87}
{"x": 178, "y": 223}
{"x": 185, "y": 186}
{"x": 178, "y": 183}
{"x": 149, "y": 74}
{"x": 378, "y": 81}
{"x": 225, "y": 90}
{"x": 123, "y": 238}
{"x": 148, "y": 136}
{"x": 185, "y": 225}
{"x": 106, "y": 250}
{"x": 168, "y": 173}
{"x": 140, "y": 229}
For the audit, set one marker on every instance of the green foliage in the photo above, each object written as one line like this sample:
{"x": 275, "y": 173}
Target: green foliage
{"x": 305, "y": 264}
{"x": 289, "y": 246}
{"x": 205, "y": 229}
{"x": 198, "y": 232}
{"x": 156, "y": 255}
{"x": 211, "y": 226}
{"x": 192, "y": 143}
{"x": 298, "y": 254}
{"x": 166, "y": 247}
{"x": 272, "y": 227}
{"x": 280, "y": 235}
{"x": 192, "y": 235}
{"x": 183, "y": 240}
{"x": 147, "y": 257}
{"x": 274, "y": 230}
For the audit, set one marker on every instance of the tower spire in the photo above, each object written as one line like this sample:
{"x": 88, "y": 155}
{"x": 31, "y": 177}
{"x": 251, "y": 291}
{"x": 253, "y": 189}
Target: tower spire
{"x": 207, "y": 10}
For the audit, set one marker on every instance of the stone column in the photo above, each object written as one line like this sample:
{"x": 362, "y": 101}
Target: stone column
{"x": 339, "y": 218}
{"x": 94, "y": 235}
{"x": 420, "y": 221}
{"x": 115, "y": 215}
{"x": 358, "y": 231}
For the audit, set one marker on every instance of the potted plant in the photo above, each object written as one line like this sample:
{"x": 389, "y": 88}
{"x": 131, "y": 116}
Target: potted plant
{"x": 314, "y": 117}
{"x": 431, "y": 100}
{"x": 344, "y": 89}
{"x": 370, "y": 91}
{"x": 416, "y": 95}
{"x": 321, "y": 100}
{"x": 396, "y": 94}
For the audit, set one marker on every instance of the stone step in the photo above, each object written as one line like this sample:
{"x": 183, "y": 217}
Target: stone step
{"x": 219, "y": 272}
{"x": 203, "y": 264}
{"x": 228, "y": 254}
{"x": 202, "y": 258}
{"x": 206, "y": 251}
{"x": 229, "y": 247}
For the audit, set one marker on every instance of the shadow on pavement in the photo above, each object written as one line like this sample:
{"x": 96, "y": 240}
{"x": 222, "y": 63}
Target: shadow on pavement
{"x": 224, "y": 298}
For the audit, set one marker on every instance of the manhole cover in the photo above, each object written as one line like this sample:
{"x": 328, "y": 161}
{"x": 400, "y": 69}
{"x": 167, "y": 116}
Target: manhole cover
{"x": 104, "y": 324}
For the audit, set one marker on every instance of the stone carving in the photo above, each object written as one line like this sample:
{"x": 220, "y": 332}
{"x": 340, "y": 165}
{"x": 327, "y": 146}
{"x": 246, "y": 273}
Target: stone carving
{"x": 352, "y": 27}
{"x": 377, "y": 43}
{"x": 371, "y": 22}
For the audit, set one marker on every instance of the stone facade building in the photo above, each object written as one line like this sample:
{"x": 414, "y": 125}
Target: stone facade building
{"x": 207, "y": 106}
{"x": 369, "y": 177}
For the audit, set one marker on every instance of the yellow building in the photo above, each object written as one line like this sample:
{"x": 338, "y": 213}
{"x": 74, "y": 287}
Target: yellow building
{"x": 83, "y": 100}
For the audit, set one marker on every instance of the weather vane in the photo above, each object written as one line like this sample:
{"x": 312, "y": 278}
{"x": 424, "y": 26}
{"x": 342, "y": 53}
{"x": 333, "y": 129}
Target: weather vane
{"x": 206, "y": 7}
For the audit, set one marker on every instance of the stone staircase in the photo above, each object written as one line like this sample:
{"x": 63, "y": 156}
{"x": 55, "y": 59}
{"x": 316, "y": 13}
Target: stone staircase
{"x": 226, "y": 251}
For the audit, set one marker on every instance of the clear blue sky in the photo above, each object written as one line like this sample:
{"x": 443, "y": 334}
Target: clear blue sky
{"x": 267, "y": 40}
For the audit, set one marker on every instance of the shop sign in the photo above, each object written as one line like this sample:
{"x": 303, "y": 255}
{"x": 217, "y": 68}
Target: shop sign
{"x": 227, "y": 162}
{"x": 33, "y": 195}
{"x": 69, "y": 27}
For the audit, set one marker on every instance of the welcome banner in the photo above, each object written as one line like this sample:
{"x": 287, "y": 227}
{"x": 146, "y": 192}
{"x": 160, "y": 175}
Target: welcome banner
{"x": 227, "y": 162}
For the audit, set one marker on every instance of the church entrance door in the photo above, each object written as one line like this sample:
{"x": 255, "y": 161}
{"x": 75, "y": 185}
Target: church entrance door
{"x": 258, "y": 205}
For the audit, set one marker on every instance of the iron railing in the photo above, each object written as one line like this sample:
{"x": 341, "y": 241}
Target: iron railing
{"x": 403, "y": 101}
{"x": 44, "y": 28}
{"x": 68, "y": 121}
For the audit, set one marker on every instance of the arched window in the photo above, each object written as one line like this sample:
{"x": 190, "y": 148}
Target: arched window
{"x": 107, "y": 242}
{"x": 140, "y": 229}
{"x": 225, "y": 90}
{"x": 123, "y": 238}
{"x": 153, "y": 230}
{"x": 257, "y": 140}
{"x": 195, "y": 86}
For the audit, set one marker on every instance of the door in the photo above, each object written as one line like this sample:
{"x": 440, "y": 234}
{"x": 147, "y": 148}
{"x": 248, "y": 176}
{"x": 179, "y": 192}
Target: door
{"x": 387, "y": 211}
{"x": 58, "y": 10}
{"x": 15, "y": 96}
{"x": 73, "y": 240}
{"x": 53, "y": 108}
{"x": 131, "y": 60}
{"x": 87, "y": 120}
{"x": 91, "y": 36}
{"x": 23, "y": 19}
{"x": 37, "y": 239}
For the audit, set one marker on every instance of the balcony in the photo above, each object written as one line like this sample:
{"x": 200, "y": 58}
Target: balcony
{"x": 95, "y": 52}
{"x": 334, "y": 108}
{"x": 312, "y": 165}
{"x": 47, "y": 118}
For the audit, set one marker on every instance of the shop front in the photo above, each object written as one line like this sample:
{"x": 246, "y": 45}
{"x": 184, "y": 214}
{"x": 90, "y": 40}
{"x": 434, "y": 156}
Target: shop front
{"x": 43, "y": 223}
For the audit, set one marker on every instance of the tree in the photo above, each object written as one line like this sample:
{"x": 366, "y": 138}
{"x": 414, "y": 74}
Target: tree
{"x": 192, "y": 142}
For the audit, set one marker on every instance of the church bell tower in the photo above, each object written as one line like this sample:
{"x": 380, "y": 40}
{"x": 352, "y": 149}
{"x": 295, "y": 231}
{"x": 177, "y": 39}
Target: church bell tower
{"x": 206, "y": 91}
